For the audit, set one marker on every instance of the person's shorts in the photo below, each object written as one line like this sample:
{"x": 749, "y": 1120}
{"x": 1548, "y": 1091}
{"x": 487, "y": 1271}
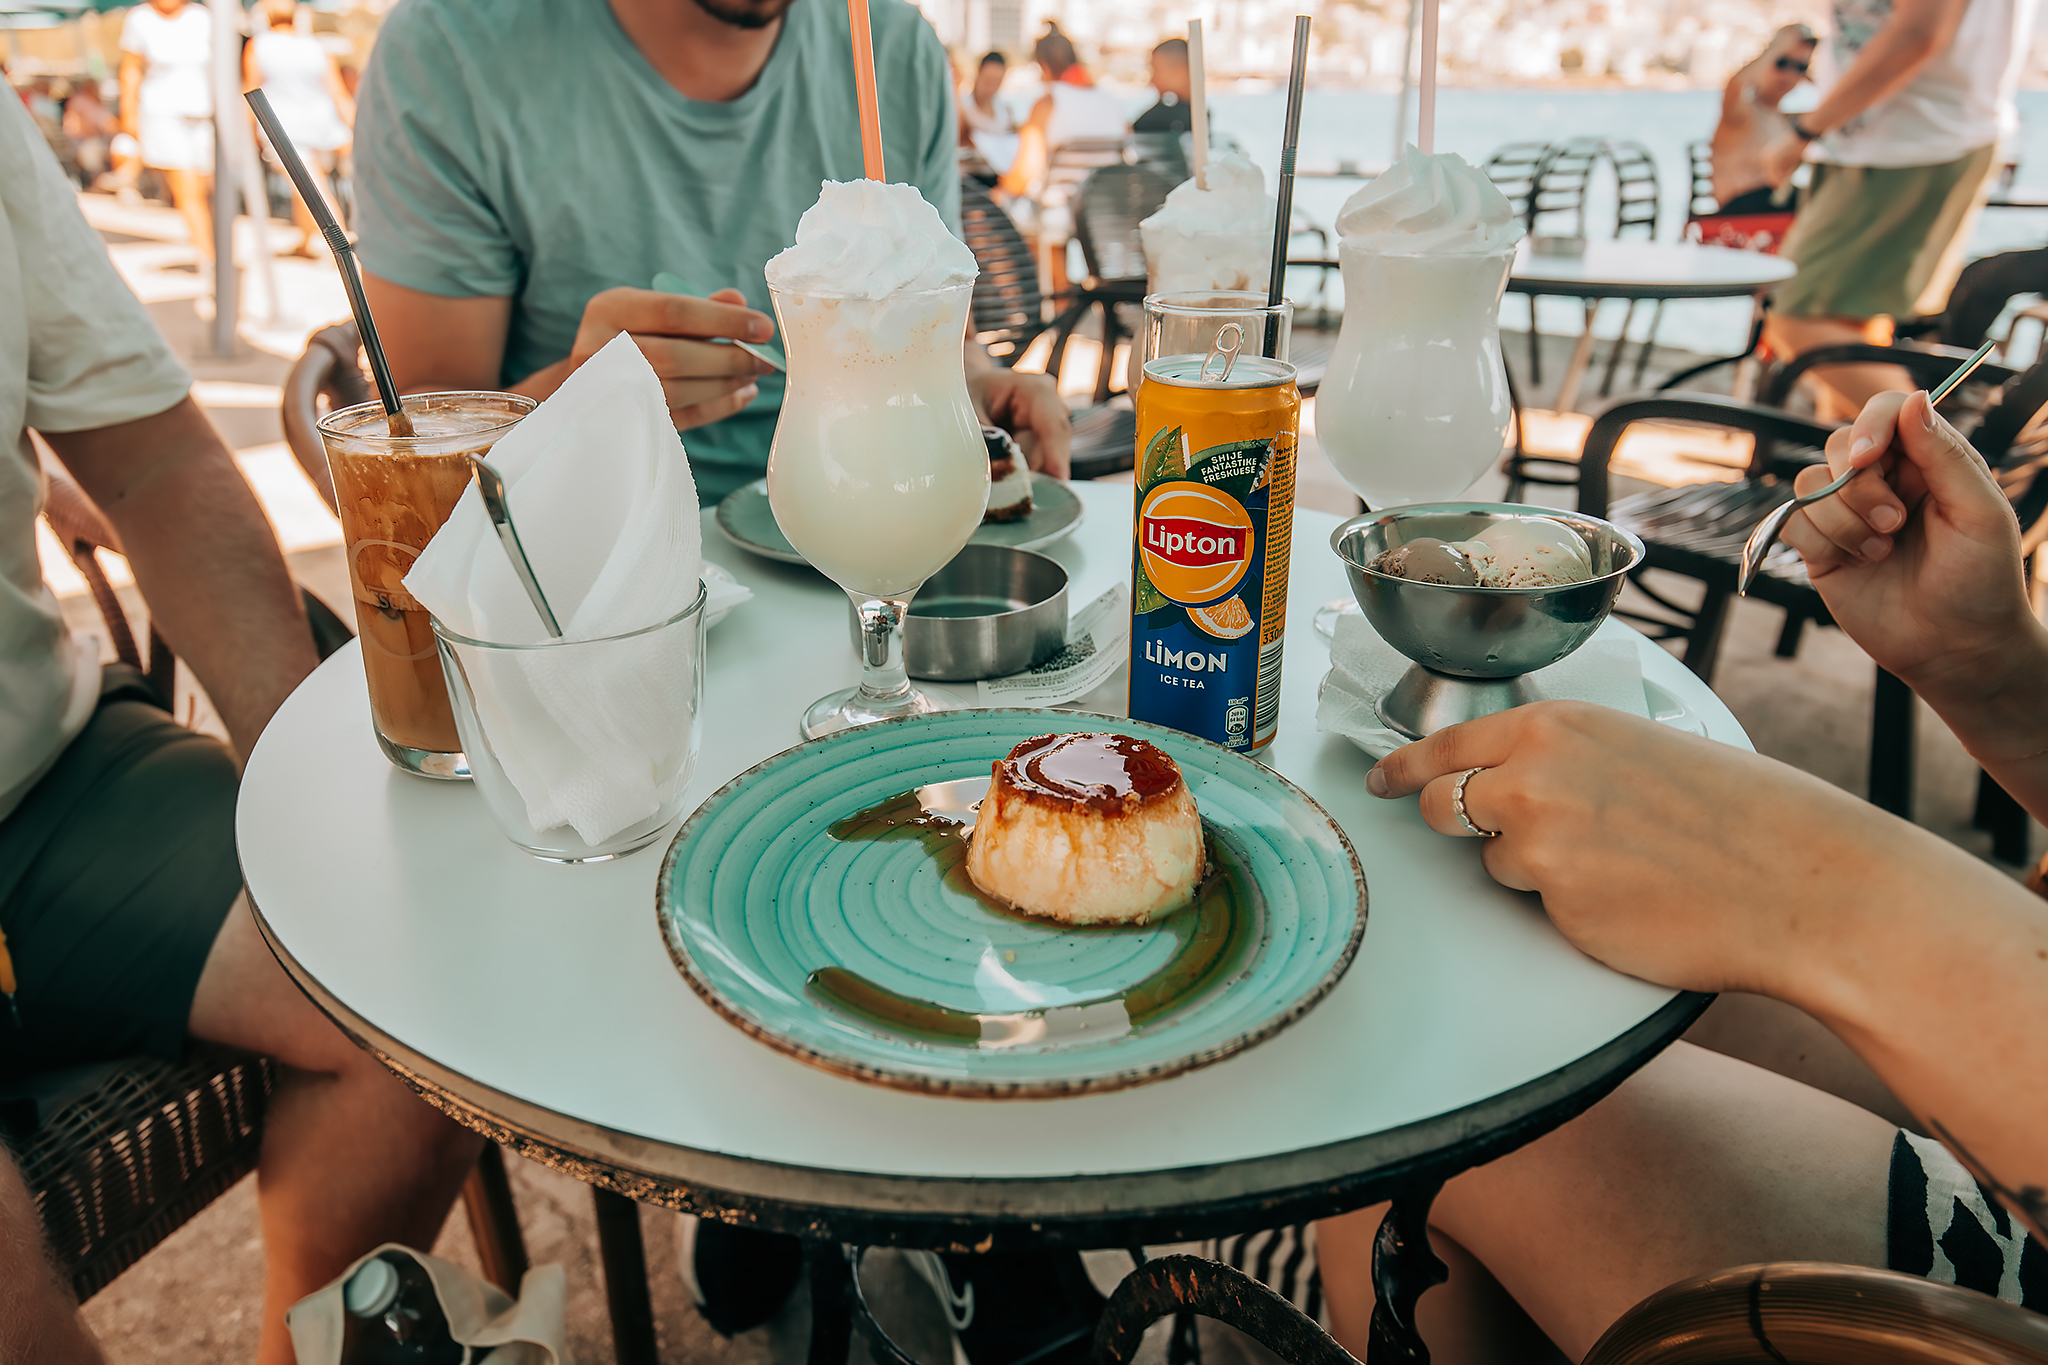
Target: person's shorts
{"x": 117, "y": 871}
{"x": 1870, "y": 239}
{"x": 177, "y": 142}
{"x": 1943, "y": 1226}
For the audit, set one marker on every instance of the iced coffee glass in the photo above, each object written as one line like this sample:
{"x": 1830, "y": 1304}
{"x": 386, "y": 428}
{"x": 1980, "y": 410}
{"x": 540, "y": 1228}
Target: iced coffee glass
{"x": 392, "y": 494}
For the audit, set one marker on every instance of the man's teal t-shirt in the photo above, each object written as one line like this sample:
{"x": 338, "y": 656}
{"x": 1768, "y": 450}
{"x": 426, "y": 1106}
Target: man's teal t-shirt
{"x": 525, "y": 148}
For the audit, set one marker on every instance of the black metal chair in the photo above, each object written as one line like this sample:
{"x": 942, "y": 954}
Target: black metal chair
{"x": 1698, "y": 530}
{"x": 1512, "y": 169}
{"x": 1111, "y": 203}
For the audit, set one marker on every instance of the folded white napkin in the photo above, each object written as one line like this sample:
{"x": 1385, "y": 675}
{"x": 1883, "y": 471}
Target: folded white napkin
{"x": 1363, "y": 667}
{"x": 600, "y": 489}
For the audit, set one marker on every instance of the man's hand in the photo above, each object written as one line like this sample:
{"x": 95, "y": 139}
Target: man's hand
{"x": 1029, "y": 407}
{"x": 1918, "y": 558}
{"x": 703, "y": 380}
{"x": 1781, "y": 157}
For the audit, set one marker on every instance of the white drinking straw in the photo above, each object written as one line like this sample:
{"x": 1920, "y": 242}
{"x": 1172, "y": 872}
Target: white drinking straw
{"x": 1198, "y": 91}
{"x": 1425, "y": 122}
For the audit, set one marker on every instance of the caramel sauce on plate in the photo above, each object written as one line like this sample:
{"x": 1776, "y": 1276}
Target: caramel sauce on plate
{"x": 1108, "y": 774}
{"x": 1212, "y": 936}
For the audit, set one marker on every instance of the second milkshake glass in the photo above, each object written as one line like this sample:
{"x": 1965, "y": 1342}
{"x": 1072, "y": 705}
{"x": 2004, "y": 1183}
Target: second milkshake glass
{"x": 878, "y": 474}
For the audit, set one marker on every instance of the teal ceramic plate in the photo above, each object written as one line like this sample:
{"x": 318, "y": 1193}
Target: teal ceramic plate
{"x": 744, "y": 518}
{"x": 873, "y": 957}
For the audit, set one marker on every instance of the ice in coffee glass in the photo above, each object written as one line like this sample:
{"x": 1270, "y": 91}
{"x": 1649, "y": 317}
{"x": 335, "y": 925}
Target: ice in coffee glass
{"x": 392, "y": 494}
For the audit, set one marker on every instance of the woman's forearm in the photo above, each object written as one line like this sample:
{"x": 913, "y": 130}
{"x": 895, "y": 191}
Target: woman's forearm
{"x": 1942, "y": 986}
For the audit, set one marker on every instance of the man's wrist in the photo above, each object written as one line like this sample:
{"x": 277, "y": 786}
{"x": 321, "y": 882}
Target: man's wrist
{"x": 1997, "y": 705}
{"x": 1800, "y": 130}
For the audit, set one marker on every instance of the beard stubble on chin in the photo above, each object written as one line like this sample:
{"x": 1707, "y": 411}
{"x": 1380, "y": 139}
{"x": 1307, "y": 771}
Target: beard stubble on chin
{"x": 754, "y": 14}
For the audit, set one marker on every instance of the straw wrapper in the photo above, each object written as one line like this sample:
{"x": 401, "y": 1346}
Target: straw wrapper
{"x": 601, "y": 490}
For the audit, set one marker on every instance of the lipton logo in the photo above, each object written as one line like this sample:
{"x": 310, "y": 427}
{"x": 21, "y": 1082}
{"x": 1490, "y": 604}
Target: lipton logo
{"x": 1195, "y": 542}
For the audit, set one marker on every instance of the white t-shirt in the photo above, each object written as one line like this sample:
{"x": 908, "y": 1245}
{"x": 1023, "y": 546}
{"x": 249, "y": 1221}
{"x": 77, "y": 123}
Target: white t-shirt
{"x": 178, "y": 57}
{"x": 76, "y": 352}
{"x": 1960, "y": 101}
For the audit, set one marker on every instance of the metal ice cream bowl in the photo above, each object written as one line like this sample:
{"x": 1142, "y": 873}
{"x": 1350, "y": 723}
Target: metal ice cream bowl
{"x": 992, "y": 611}
{"x": 1495, "y": 635}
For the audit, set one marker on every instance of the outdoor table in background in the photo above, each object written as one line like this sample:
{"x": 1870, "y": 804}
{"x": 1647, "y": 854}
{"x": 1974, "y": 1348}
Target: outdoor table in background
{"x": 537, "y": 1003}
{"x": 1642, "y": 271}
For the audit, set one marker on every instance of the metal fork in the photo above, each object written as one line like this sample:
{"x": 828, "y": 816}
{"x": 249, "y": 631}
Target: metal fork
{"x": 1766, "y": 533}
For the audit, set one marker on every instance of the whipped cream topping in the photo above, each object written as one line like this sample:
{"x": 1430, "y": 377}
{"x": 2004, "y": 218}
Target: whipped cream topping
{"x": 1428, "y": 205}
{"x": 867, "y": 240}
{"x": 1218, "y": 238}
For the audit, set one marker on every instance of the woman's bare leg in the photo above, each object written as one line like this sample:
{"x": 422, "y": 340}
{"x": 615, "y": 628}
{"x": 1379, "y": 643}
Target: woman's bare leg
{"x": 351, "y": 1158}
{"x": 191, "y": 195}
{"x": 1696, "y": 1164}
{"x": 1782, "y": 1038}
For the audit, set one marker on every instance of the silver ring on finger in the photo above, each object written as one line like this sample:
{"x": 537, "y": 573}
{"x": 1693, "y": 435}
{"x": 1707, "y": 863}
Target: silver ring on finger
{"x": 1458, "y": 806}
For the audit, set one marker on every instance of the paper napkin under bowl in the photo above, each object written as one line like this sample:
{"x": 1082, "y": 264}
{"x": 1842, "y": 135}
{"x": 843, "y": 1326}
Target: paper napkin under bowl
{"x": 600, "y": 489}
{"x": 1363, "y": 667}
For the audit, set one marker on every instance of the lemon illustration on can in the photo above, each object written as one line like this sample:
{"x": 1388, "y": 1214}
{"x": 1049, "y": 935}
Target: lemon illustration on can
{"x": 1229, "y": 619}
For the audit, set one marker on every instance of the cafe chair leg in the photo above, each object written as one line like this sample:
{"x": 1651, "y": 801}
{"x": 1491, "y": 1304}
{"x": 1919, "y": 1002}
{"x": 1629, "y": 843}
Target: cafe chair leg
{"x": 625, "y": 1277}
{"x": 1403, "y": 1266}
{"x": 494, "y": 1220}
{"x": 1892, "y": 714}
{"x": 1173, "y": 1285}
{"x": 831, "y": 1275}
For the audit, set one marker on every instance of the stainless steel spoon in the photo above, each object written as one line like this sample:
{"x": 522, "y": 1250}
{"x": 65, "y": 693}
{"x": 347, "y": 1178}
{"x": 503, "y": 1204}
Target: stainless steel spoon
{"x": 492, "y": 486}
{"x": 1766, "y": 533}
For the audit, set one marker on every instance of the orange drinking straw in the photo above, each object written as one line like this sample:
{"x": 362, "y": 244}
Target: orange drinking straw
{"x": 864, "y": 90}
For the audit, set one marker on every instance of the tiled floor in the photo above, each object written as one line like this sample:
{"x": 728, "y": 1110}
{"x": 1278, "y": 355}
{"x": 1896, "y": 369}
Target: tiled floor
{"x": 195, "y": 1298}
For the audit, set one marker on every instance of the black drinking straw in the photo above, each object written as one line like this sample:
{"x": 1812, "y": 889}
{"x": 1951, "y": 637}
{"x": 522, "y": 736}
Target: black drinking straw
{"x": 344, "y": 258}
{"x": 1297, "y": 79}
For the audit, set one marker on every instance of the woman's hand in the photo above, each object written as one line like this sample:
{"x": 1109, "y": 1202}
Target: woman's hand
{"x": 1029, "y": 407}
{"x": 1673, "y": 858}
{"x": 703, "y": 380}
{"x": 1918, "y": 558}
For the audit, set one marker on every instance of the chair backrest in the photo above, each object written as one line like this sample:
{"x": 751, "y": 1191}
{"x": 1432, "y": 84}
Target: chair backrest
{"x": 1795, "y": 1313}
{"x": 326, "y": 376}
{"x": 1635, "y": 188}
{"x": 1166, "y": 153}
{"x": 1107, "y": 211}
{"x": 1512, "y": 169}
{"x": 1560, "y": 188}
{"x": 1703, "y": 202}
{"x": 1009, "y": 302}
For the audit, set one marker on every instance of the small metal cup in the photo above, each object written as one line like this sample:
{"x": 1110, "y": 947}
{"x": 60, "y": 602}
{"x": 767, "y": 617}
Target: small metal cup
{"x": 991, "y": 612}
{"x": 1472, "y": 646}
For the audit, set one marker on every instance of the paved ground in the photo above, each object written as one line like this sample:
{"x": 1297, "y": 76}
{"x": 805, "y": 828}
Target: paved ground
{"x": 195, "y": 1298}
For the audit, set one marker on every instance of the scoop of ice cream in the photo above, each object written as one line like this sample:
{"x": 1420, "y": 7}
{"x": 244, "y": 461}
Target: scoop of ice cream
{"x": 1425, "y": 205}
{"x": 867, "y": 240}
{"x": 1215, "y": 238}
{"x": 1529, "y": 552}
{"x": 1428, "y": 560}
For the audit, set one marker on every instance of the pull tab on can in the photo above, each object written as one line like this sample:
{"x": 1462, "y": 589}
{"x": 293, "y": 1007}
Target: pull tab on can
{"x": 1229, "y": 341}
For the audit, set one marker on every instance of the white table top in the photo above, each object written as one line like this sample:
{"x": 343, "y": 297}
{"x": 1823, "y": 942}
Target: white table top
{"x": 1648, "y": 270}
{"x": 545, "y": 989}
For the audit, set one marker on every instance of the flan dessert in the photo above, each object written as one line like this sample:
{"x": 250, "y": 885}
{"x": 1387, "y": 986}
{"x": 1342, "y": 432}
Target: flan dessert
{"x": 1009, "y": 478}
{"x": 1088, "y": 829}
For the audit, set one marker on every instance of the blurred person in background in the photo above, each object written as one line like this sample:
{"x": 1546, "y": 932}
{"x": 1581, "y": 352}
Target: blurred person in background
{"x": 1070, "y": 110}
{"x": 1904, "y": 143}
{"x": 303, "y": 83}
{"x": 979, "y": 111}
{"x": 1174, "y": 112}
{"x": 1751, "y": 124}
{"x": 167, "y": 106}
{"x": 91, "y": 126}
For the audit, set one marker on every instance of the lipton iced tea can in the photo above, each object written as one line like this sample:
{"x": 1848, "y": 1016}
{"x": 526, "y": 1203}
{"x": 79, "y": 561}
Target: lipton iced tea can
{"x": 1215, "y": 517}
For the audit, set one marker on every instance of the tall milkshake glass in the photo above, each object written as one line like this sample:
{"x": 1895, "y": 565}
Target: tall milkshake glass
{"x": 878, "y": 473}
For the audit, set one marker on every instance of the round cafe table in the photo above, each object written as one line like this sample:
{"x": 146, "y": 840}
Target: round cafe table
{"x": 536, "y": 1002}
